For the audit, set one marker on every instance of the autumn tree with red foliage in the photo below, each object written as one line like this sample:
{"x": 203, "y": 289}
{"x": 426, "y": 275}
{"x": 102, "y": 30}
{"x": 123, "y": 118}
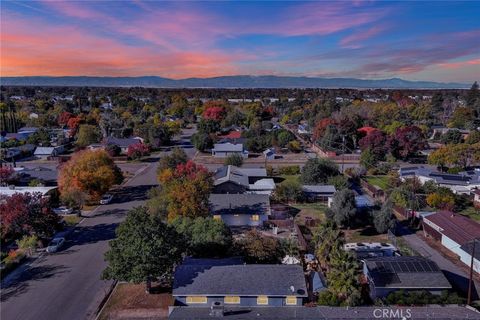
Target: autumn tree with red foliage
{"x": 6, "y": 174}
{"x": 376, "y": 142}
{"x": 185, "y": 190}
{"x": 73, "y": 124}
{"x": 406, "y": 142}
{"x": 214, "y": 113}
{"x": 91, "y": 172}
{"x": 26, "y": 214}
{"x": 137, "y": 150}
{"x": 64, "y": 117}
{"x": 321, "y": 127}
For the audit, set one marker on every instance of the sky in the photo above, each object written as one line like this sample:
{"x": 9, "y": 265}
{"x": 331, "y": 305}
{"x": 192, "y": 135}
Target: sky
{"x": 414, "y": 40}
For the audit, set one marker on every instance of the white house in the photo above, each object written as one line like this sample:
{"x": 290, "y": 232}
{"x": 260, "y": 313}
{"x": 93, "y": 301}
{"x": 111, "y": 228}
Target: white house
{"x": 223, "y": 150}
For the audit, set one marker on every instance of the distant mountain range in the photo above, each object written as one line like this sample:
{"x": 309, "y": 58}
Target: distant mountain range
{"x": 228, "y": 82}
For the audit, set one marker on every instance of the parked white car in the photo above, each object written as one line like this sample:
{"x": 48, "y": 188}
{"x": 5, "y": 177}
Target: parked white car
{"x": 63, "y": 210}
{"x": 106, "y": 199}
{"x": 55, "y": 244}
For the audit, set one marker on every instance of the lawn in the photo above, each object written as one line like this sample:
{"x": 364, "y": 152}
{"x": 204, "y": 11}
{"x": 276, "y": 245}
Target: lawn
{"x": 313, "y": 210}
{"x": 472, "y": 213}
{"x": 367, "y": 234}
{"x": 292, "y": 178}
{"x": 72, "y": 220}
{"x": 131, "y": 301}
{"x": 379, "y": 181}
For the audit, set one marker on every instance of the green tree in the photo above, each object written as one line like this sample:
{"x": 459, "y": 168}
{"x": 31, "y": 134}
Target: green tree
{"x": 340, "y": 182}
{"x": 205, "y": 237}
{"x": 368, "y": 159}
{"x": 234, "y": 159}
{"x": 343, "y": 209}
{"x": 202, "y": 141}
{"x": 39, "y": 138}
{"x": 289, "y": 191}
{"x": 261, "y": 249}
{"x": 145, "y": 249}
{"x": 383, "y": 219}
{"x": 87, "y": 134}
{"x": 318, "y": 170}
{"x": 326, "y": 238}
{"x": 284, "y": 137}
{"x": 172, "y": 160}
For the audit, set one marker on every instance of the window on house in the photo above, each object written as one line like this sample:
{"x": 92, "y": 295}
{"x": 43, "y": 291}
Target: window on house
{"x": 231, "y": 300}
{"x": 197, "y": 299}
{"x": 255, "y": 217}
{"x": 291, "y": 301}
{"x": 262, "y": 300}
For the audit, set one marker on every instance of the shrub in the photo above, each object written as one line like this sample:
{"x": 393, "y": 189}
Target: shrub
{"x": 289, "y": 170}
{"x": 234, "y": 159}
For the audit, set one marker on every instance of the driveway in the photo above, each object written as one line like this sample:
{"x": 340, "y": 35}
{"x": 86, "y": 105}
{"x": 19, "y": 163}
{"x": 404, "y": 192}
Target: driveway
{"x": 455, "y": 274}
{"x": 66, "y": 285}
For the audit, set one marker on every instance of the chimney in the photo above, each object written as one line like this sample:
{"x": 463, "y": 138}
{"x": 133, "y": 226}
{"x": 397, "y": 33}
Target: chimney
{"x": 217, "y": 309}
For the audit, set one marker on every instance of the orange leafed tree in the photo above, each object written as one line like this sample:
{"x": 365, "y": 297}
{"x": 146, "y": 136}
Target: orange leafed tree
{"x": 186, "y": 190}
{"x": 91, "y": 172}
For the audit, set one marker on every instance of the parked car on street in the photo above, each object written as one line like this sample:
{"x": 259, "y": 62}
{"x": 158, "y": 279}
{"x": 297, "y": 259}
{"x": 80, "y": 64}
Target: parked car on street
{"x": 106, "y": 199}
{"x": 63, "y": 210}
{"x": 55, "y": 244}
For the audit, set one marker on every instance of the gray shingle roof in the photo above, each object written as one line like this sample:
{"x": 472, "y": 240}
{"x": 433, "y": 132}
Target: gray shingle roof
{"x": 406, "y": 272}
{"x": 324, "y": 189}
{"x": 239, "y": 203}
{"x": 243, "y": 280}
{"x": 122, "y": 142}
{"x": 228, "y": 147}
{"x": 324, "y": 312}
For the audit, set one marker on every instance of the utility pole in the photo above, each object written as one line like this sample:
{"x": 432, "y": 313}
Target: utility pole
{"x": 343, "y": 153}
{"x": 470, "y": 282}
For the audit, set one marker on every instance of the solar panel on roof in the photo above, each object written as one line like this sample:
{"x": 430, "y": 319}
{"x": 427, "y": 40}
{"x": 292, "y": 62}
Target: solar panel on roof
{"x": 426, "y": 266}
{"x": 396, "y": 267}
{"x": 433, "y": 266}
{"x": 411, "y": 267}
{"x": 403, "y": 266}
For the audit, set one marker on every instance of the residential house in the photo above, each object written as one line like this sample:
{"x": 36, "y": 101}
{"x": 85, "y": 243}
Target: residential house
{"x": 239, "y": 210}
{"x": 438, "y": 131}
{"x": 461, "y": 183}
{"x": 210, "y": 283}
{"x": 47, "y": 176}
{"x": 456, "y": 233}
{"x": 389, "y": 274}
{"x": 47, "y": 152}
{"x": 21, "y": 151}
{"x": 232, "y": 179}
{"x": 320, "y": 193}
{"x": 303, "y": 129}
{"x": 122, "y": 143}
{"x": 223, "y": 150}
{"x": 363, "y": 250}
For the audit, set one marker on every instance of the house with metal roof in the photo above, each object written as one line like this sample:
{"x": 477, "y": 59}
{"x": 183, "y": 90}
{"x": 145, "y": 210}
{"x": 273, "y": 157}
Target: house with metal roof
{"x": 456, "y": 233}
{"x": 215, "y": 283}
{"x": 321, "y": 193}
{"x": 46, "y": 152}
{"x": 231, "y": 179}
{"x": 240, "y": 209}
{"x": 461, "y": 183}
{"x": 223, "y": 150}
{"x": 389, "y": 274}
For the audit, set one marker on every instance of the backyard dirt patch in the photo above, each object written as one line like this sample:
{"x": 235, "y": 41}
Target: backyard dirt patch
{"x": 131, "y": 301}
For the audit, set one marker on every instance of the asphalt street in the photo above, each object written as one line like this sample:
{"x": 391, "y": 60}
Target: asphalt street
{"x": 67, "y": 285}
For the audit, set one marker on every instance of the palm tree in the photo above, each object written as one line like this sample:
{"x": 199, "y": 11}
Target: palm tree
{"x": 327, "y": 238}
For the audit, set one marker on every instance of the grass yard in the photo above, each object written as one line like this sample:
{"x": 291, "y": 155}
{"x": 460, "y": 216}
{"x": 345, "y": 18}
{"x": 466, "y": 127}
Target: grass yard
{"x": 379, "y": 181}
{"x": 131, "y": 301}
{"x": 367, "y": 234}
{"x": 472, "y": 213}
{"x": 292, "y": 178}
{"x": 72, "y": 220}
{"x": 313, "y": 210}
